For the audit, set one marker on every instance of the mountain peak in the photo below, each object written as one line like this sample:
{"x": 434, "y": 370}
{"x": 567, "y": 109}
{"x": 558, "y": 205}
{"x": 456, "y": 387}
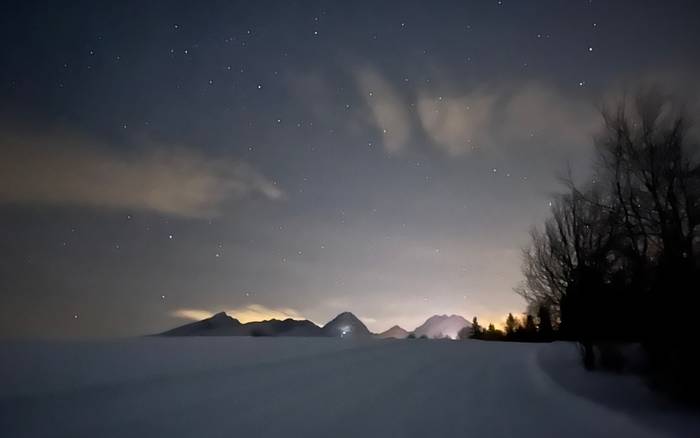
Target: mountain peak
{"x": 438, "y": 326}
{"x": 219, "y": 324}
{"x": 346, "y": 324}
{"x": 396, "y": 332}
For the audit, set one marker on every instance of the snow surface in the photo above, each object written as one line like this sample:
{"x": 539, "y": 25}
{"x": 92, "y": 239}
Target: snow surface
{"x": 313, "y": 387}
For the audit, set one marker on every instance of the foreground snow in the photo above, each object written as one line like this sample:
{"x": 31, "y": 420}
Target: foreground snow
{"x": 306, "y": 387}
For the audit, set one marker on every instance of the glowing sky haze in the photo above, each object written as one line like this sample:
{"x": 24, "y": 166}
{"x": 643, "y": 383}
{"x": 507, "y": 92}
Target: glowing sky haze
{"x": 163, "y": 161}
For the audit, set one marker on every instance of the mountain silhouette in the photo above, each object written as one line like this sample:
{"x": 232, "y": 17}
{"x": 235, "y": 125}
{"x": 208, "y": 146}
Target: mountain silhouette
{"x": 288, "y": 327}
{"x": 218, "y": 325}
{"x": 346, "y": 325}
{"x": 394, "y": 332}
{"x": 222, "y": 324}
{"x": 439, "y": 326}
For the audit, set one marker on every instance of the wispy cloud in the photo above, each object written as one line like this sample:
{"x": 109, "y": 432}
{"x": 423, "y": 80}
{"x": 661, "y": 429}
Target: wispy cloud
{"x": 389, "y": 111}
{"x": 62, "y": 169}
{"x": 511, "y": 118}
{"x": 457, "y": 124}
{"x": 249, "y": 313}
{"x": 457, "y": 119}
{"x": 505, "y": 116}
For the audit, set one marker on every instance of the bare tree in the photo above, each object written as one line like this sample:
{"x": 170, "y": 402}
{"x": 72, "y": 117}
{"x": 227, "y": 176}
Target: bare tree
{"x": 578, "y": 239}
{"x": 625, "y": 251}
{"x": 654, "y": 180}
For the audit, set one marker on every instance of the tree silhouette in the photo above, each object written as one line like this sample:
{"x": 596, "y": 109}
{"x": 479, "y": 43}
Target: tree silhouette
{"x": 476, "y": 330}
{"x": 620, "y": 256}
{"x": 511, "y": 325}
{"x": 545, "y": 330}
{"x": 493, "y": 334}
{"x": 529, "y": 328}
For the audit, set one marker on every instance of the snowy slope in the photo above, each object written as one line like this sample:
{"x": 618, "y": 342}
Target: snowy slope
{"x": 297, "y": 387}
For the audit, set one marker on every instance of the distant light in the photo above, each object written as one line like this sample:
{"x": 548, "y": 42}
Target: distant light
{"x": 345, "y": 330}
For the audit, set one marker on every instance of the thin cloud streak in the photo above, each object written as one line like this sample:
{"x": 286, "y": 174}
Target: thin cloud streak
{"x": 65, "y": 170}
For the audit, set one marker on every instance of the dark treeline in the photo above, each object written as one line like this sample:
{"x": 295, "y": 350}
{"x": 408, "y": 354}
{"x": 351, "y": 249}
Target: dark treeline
{"x": 619, "y": 257}
{"x": 528, "y": 329}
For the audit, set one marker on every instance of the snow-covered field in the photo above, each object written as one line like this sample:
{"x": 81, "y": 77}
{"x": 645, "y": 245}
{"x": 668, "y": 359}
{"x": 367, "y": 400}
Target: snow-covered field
{"x": 315, "y": 387}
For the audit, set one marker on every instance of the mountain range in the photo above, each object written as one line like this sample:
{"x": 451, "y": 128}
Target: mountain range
{"x": 344, "y": 325}
{"x": 222, "y": 324}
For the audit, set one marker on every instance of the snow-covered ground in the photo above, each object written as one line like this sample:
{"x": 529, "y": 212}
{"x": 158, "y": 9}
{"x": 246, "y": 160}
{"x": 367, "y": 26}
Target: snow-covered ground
{"x": 316, "y": 387}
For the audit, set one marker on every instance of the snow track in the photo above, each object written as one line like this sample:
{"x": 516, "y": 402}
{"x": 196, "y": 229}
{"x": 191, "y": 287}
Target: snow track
{"x": 306, "y": 387}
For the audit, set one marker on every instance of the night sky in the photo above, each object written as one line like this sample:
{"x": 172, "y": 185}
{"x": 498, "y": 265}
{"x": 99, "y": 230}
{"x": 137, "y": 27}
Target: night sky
{"x": 160, "y": 161}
